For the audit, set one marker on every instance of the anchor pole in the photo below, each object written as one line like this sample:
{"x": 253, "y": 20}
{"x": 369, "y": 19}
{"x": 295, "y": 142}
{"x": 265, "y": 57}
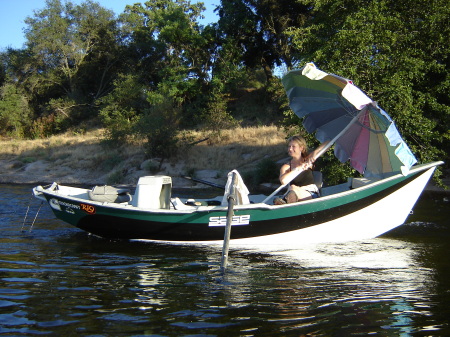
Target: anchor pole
{"x": 37, "y": 213}
{"x": 26, "y": 215}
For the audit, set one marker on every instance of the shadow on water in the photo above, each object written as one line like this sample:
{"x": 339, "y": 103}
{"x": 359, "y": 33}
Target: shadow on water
{"x": 58, "y": 280}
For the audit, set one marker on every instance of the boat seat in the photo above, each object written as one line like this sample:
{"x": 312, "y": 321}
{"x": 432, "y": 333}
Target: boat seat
{"x": 179, "y": 205}
{"x": 359, "y": 182}
{"x": 318, "y": 180}
{"x": 110, "y": 194}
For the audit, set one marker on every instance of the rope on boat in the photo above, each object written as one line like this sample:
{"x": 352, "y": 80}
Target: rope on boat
{"x": 230, "y": 213}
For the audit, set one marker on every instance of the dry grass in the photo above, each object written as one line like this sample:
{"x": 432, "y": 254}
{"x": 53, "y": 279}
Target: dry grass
{"x": 240, "y": 148}
{"x": 237, "y": 148}
{"x": 58, "y": 145}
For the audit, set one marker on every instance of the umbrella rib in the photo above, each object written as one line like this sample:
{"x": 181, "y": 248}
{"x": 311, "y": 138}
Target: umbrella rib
{"x": 368, "y": 128}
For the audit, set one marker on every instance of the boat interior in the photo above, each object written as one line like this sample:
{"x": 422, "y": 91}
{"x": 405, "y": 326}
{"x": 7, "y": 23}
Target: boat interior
{"x": 155, "y": 192}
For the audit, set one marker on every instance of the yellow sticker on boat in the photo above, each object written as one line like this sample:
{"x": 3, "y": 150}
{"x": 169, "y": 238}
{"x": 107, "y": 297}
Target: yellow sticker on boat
{"x": 88, "y": 208}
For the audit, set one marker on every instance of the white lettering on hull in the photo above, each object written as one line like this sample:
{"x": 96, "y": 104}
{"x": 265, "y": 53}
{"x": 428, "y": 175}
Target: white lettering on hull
{"x": 237, "y": 220}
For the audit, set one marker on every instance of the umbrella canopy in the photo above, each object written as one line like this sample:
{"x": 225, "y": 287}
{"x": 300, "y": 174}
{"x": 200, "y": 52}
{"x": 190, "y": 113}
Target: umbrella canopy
{"x": 338, "y": 111}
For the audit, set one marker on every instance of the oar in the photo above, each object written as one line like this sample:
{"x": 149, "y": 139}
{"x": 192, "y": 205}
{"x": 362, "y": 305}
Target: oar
{"x": 231, "y": 198}
{"x": 318, "y": 154}
{"x": 204, "y": 182}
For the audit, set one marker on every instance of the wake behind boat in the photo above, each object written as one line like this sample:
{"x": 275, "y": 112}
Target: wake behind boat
{"x": 339, "y": 114}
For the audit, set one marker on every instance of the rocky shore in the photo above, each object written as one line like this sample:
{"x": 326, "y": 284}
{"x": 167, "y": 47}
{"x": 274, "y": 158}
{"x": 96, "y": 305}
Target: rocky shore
{"x": 43, "y": 172}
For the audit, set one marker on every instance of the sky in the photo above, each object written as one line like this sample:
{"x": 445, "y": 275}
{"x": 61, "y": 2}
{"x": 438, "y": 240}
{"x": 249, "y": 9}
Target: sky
{"x": 14, "y": 12}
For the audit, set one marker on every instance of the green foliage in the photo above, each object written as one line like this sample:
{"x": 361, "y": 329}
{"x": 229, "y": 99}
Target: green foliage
{"x": 167, "y": 39}
{"x": 115, "y": 177}
{"x": 121, "y": 108}
{"x": 48, "y": 124}
{"x": 63, "y": 38}
{"x": 395, "y": 52}
{"x": 258, "y": 29}
{"x": 110, "y": 160}
{"x": 333, "y": 171}
{"x": 27, "y": 160}
{"x": 178, "y": 60}
{"x": 160, "y": 126}
{"x": 69, "y": 61}
{"x": 152, "y": 166}
{"x": 155, "y": 69}
{"x": 266, "y": 171}
{"x": 119, "y": 122}
{"x": 15, "y": 114}
{"x": 216, "y": 116}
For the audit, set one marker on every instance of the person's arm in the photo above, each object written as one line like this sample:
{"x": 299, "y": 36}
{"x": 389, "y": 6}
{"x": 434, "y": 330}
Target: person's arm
{"x": 312, "y": 157}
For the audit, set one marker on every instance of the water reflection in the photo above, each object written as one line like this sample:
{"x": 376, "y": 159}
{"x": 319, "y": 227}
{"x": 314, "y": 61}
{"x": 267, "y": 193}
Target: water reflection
{"x": 351, "y": 282}
{"x": 57, "y": 280}
{"x": 377, "y": 284}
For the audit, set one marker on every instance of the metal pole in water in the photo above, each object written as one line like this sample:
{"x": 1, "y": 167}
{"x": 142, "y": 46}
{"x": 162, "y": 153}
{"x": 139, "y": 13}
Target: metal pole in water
{"x": 226, "y": 240}
{"x": 26, "y": 214}
{"x": 31, "y": 227}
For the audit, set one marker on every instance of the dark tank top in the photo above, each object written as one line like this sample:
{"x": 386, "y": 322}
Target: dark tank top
{"x": 304, "y": 178}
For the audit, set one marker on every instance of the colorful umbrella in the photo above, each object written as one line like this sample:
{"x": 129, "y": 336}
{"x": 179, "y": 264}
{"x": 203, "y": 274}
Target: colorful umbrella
{"x": 340, "y": 113}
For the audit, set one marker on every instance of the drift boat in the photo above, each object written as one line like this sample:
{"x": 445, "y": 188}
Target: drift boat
{"x": 359, "y": 209}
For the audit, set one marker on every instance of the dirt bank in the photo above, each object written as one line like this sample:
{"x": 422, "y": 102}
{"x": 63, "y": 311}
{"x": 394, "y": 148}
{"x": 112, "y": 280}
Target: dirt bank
{"x": 81, "y": 159}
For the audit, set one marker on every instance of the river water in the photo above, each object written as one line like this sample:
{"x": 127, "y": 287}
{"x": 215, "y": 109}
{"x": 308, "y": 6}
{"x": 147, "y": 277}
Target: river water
{"x": 56, "y": 280}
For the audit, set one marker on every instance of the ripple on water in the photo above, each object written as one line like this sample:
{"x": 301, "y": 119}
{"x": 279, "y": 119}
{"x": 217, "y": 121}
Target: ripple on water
{"x": 57, "y": 280}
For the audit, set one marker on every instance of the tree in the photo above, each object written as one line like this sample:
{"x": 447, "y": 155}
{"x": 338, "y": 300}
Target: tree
{"x": 173, "y": 52}
{"x": 72, "y": 51}
{"x": 170, "y": 57}
{"x": 15, "y": 113}
{"x": 121, "y": 107}
{"x": 259, "y": 29}
{"x": 397, "y": 53}
{"x": 163, "y": 34}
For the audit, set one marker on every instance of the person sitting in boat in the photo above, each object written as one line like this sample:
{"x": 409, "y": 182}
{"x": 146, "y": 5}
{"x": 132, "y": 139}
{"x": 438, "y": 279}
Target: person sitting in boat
{"x": 298, "y": 172}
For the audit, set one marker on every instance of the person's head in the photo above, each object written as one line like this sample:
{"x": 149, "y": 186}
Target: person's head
{"x": 297, "y": 144}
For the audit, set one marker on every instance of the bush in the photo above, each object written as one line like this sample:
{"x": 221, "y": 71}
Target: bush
{"x": 122, "y": 107}
{"x": 15, "y": 113}
{"x": 119, "y": 122}
{"x": 160, "y": 126}
{"x": 266, "y": 171}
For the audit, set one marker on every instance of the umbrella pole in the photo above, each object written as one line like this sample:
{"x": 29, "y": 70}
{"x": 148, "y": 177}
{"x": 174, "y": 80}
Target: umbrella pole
{"x": 321, "y": 152}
